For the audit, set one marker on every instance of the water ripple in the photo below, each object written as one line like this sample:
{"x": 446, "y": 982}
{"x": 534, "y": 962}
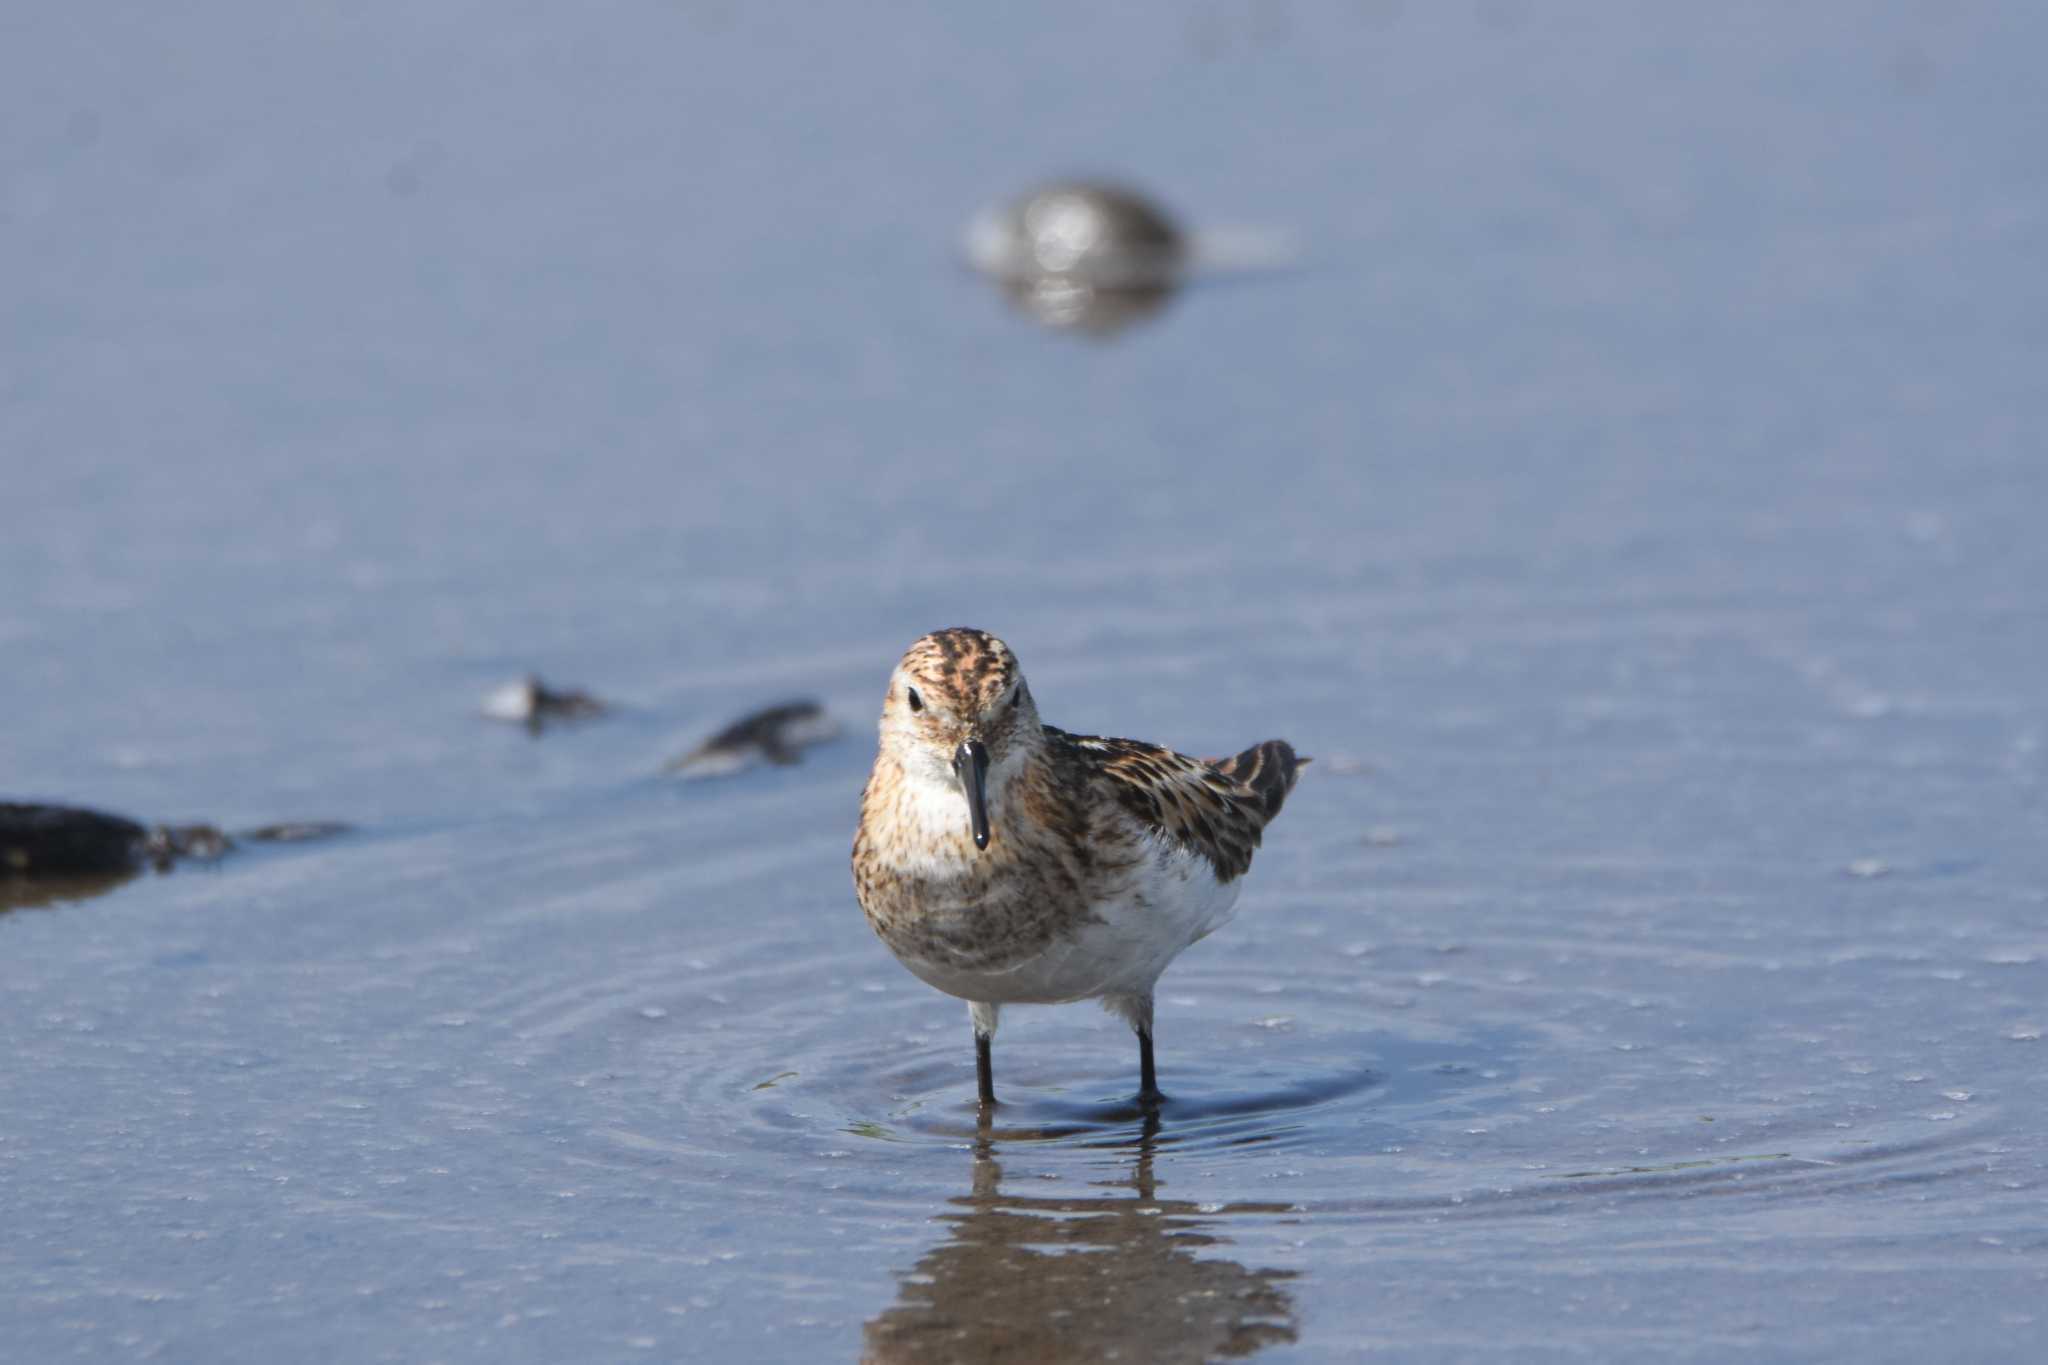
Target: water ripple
{"x": 823, "y": 1070}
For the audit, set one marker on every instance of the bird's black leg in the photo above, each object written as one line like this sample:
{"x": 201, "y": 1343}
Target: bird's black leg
{"x": 1148, "y": 1078}
{"x": 984, "y": 1071}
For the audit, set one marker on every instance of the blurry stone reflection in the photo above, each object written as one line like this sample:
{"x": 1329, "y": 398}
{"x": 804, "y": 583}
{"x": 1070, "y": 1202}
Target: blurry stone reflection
{"x": 1061, "y": 301}
{"x": 1043, "y": 1278}
{"x": 1083, "y": 256}
{"x": 17, "y": 893}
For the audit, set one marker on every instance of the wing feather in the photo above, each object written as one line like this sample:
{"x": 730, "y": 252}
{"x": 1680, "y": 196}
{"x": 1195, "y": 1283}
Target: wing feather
{"x": 1207, "y": 807}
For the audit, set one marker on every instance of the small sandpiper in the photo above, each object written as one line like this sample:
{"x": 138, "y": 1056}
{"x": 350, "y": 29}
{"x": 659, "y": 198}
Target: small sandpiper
{"x": 1006, "y": 862}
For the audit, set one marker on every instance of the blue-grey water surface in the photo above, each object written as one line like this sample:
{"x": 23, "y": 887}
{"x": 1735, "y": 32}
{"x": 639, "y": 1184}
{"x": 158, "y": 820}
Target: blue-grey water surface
{"x": 1632, "y": 496}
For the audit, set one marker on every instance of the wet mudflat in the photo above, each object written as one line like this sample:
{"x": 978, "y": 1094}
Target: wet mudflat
{"x": 1631, "y": 500}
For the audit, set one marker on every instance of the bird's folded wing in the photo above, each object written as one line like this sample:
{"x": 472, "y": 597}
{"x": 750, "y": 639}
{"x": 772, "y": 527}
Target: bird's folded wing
{"x": 1193, "y": 803}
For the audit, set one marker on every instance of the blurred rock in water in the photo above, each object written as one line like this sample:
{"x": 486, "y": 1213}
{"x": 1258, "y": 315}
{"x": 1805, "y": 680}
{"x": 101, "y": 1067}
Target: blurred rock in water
{"x": 67, "y": 841}
{"x": 532, "y": 703}
{"x": 292, "y": 832}
{"x": 71, "y": 851}
{"x": 775, "y": 735}
{"x": 1081, "y": 255}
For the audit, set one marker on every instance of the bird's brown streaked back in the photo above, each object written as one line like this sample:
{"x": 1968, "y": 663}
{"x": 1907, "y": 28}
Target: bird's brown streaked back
{"x": 1202, "y": 806}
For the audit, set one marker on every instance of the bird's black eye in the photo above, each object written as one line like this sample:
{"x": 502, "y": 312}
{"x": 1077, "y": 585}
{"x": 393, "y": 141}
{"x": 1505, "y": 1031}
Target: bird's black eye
{"x": 916, "y": 702}
{"x": 1017, "y": 697}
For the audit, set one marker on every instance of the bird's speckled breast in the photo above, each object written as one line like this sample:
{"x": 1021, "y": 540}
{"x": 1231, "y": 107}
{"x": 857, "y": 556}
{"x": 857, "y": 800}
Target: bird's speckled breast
{"x": 933, "y": 898}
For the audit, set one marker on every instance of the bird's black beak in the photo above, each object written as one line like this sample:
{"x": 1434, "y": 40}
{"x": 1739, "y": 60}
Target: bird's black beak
{"x": 970, "y": 765}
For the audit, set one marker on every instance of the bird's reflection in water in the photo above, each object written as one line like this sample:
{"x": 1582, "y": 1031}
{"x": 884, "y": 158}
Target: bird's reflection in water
{"x": 1032, "y": 1277}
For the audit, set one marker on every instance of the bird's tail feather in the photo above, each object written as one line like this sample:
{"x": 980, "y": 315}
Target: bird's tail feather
{"x": 1268, "y": 768}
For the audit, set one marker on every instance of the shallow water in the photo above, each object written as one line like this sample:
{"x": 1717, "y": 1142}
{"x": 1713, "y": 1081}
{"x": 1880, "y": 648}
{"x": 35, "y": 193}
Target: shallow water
{"x": 1631, "y": 499}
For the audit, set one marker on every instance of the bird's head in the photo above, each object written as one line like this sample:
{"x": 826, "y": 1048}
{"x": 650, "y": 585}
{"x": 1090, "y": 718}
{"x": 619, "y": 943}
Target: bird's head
{"x": 958, "y": 712}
